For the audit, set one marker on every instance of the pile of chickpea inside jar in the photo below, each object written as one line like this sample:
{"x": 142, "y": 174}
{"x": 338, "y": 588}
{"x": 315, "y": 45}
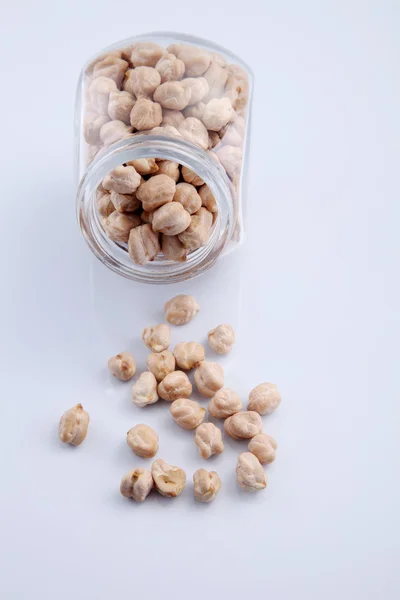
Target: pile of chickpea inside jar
{"x": 152, "y": 207}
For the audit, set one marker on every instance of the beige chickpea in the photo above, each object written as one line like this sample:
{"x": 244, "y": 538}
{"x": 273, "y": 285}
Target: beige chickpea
{"x": 73, "y": 425}
{"x": 146, "y": 54}
{"x": 92, "y": 128}
{"x": 170, "y": 68}
{"x": 147, "y": 217}
{"x": 168, "y": 479}
{"x": 118, "y": 225}
{"x": 209, "y": 378}
{"x": 137, "y": 484}
{"x": 99, "y": 92}
{"x": 143, "y": 244}
{"x": 172, "y": 117}
{"x": 216, "y": 77}
{"x": 249, "y": 472}
{"x": 243, "y": 425}
{"x": 114, "y": 131}
{"x": 104, "y": 204}
{"x": 120, "y": 105}
{"x": 237, "y": 87}
{"x": 145, "y": 114}
{"x": 233, "y": 133}
{"x": 122, "y": 366}
{"x": 187, "y": 195}
{"x": 208, "y": 439}
{"x": 173, "y": 249}
{"x": 175, "y": 385}
{"x": 224, "y": 404}
{"x": 124, "y": 202}
{"x": 264, "y": 398}
{"x": 161, "y": 364}
{"x": 143, "y": 440}
{"x": 123, "y": 180}
{"x": 191, "y": 177}
{"x": 144, "y": 166}
{"x": 144, "y": 81}
{"x": 194, "y": 110}
{"x": 156, "y": 191}
{"x": 206, "y": 485}
{"x": 111, "y": 67}
{"x": 231, "y": 159}
{"x": 181, "y": 309}
{"x": 263, "y": 446}
{"x": 171, "y": 219}
{"x": 188, "y": 414}
{"x": 193, "y": 131}
{"x": 174, "y": 48}
{"x": 221, "y": 339}
{"x": 157, "y": 338}
{"x": 217, "y": 113}
{"x": 207, "y": 198}
{"x": 144, "y": 390}
{"x": 198, "y": 87}
{"x": 188, "y": 355}
{"x": 199, "y": 231}
{"x": 196, "y": 60}
{"x": 170, "y": 168}
{"x": 172, "y": 95}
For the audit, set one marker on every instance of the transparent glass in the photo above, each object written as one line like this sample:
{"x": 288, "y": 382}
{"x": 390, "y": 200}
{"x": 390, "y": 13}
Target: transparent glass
{"x": 108, "y": 84}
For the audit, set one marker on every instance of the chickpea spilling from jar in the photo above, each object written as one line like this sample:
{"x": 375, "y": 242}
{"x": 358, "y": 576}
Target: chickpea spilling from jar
{"x": 165, "y": 381}
{"x": 156, "y": 206}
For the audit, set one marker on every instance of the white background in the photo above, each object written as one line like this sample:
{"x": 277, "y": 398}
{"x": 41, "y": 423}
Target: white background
{"x": 314, "y": 296}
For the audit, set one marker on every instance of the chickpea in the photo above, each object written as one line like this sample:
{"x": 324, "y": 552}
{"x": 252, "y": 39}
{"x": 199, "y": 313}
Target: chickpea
{"x": 156, "y": 191}
{"x": 174, "y": 48}
{"x": 193, "y": 131}
{"x": 216, "y": 77}
{"x": 233, "y": 133}
{"x": 114, "y": 131}
{"x": 124, "y": 202}
{"x": 207, "y": 198}
{"x": 188, "y": 355}
{"x": 161, "y": 364}
{"x": 191, "y": 177}
{"x": 206, "y": 485}
{"x": 170, "y": 68}
{"x": 169, "y": 480}
{"x": 188, "y": 414}
{"x": 99, "y": 92}
{"x": 118, "y": 226}
{"x": 143, "y": 244}
{"x": 170, "y": 168}
{"x": 198, "y": 87}
{"x": 231, "y": 159}
{"x": 144, "y": 166}
{"x": 213, "y": 139}
{"x": 171, "y": 219}
{"x": 144, "y": 391}
{"x": 74, "y": 425}
{"x": 157, "y": 338}
{"x": 92, "y": 128}
{"x": 221, "y": 339}
{"x": 146, "y": 54}
{"x": 123, "y": 180}
{"x": 172, "y": 117}
{"x": 199, "y": 231}
{"x": 224, "y": 404}
{"x": 173, "y": 249}
{"x": 237, "y": 86}
{"x": 209, "y": 378}
{"x": 143, "y": 81}
{"x": 175, "y": 385}
{"x": 196, "y": 60}
{"x": 181, "y": 309}
{"x": 104, "y": 204}
{"x": 120, "y": 105}
{"x": 194, "y": 110}
{"x": 122, "y": 366}
{"x": 172, "y": 95}
{"x": 143, "y": 440}
{"x": 111, "y": 67}
{"x": 137, "y": 484}
{"x": 217, "y": 113}
{"x": 208, "y": 439}
{"x": 243, "y": 425}
{"x": 263, "y": 446}
{"x": 264, "y": 398}
{"x": 147, "y": 217}
{"x": 250, "y": 474}
{"x": 145, "y": 114}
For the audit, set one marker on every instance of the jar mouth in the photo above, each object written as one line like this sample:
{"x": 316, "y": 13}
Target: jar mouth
{"x": 161, "y": 270}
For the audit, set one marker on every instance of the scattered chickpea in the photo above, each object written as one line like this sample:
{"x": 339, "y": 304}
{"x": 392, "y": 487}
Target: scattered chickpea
{"x": 112, "y": 67}
{"x": 188, "y": 414}
{"x": 206, "y": 485}
{"x": 175, "y": 385}
{"x": 169, "y": 480}
{"x": 187, "y": 195}
{"x": 143, "y": 440}
{"x": 217, "y": 113}
{"x": 146, "y": 54}
{"x": 171, "y": 219}
{"x": 144, "y": 166}
{"x": 156, "y": 191}
{"x": 144, "y": 391}
{"x": 208, "y": 439}
{"x": 191, "y": 177}
{"x": 198, "y": 233}
{"x": 263, "y": 446}
{"x": 198, "y": 87}
{"x": 123, "y": 180}
{"x": 173, "y": 118}
{"x": 122, "y": 366}
{"x": 143, "y": 244}
{"x": 264, "y": 398}
{"x": 113, "y": 131}
{"x": 137, "y": 484}
{"x": 144, "y": 81}
{"x": 170, "y": 68}
{"x": 196, "y": 60}
{"x": 120, "y": 105}
{"x": 118, "y": 226}
{"x": 207, "y": 198}
{"x": 157, "y": 338}
{"x": 172, "y": 95}
{"x": 188, "y": 355}
{"x": 221, "y": 339}
{"x": 250, "y": 474}
{"x": 243, "y": 425}
{"x": 173, "y": 249}
{"x": 193, "y": 131}
{"x": 209, "y": 378}
{"x": 145, "y": 114}
{"x": 224, "y": 404}
{"x": 124, "y": 202}
{"x": 161, "y": 364}
{"x": 181, "y": 309}
{"x": 104, "y": 204}
{"x": 73, "y": 425}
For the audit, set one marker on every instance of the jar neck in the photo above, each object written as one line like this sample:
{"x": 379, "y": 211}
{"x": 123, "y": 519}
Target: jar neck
{"x": 167, "y": 148}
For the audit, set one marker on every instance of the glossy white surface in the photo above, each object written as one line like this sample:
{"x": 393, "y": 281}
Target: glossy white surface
{"x": 313, "y": 295}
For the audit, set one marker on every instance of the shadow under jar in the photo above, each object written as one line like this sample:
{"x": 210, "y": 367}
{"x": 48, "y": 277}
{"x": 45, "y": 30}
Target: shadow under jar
{"x": 161, "y": 127}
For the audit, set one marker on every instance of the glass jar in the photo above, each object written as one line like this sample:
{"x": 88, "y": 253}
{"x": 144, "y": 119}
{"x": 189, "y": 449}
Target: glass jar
{"x": 162, "y": 97}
